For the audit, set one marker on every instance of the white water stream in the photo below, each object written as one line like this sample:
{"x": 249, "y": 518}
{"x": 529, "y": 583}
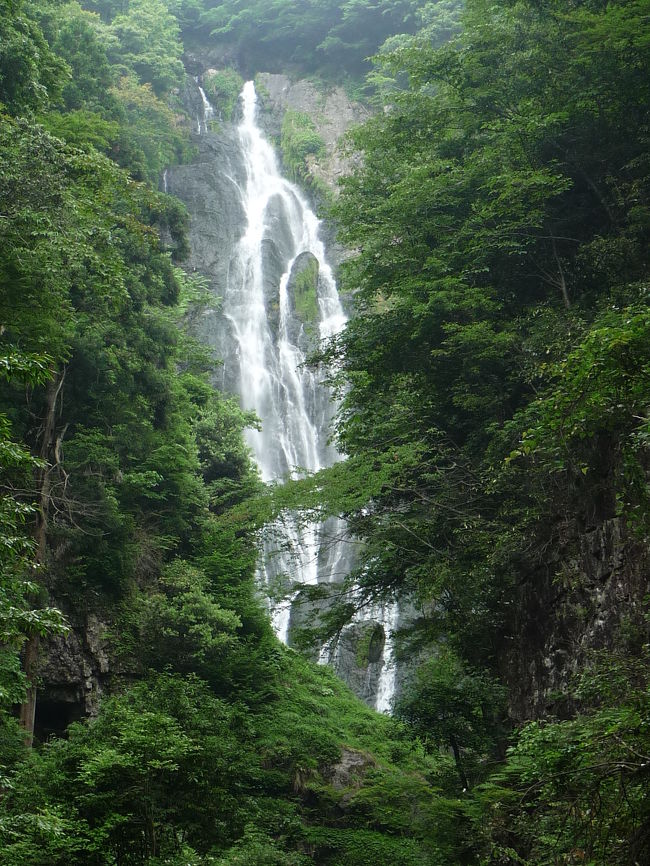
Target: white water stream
{"x": 207, "y": 113}
{"x": 294, "y": 407}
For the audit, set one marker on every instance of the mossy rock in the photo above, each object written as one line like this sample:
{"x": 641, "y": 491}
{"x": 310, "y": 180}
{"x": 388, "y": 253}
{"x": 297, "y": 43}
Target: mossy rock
{"x": 299, "y": 140}
{"x": 370, "y": 644}
{"x": 222, "y": 87}
{"x": 303, "y": 288}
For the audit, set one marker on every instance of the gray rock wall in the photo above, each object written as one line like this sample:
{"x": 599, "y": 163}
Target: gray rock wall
{"x": 332, "y": 111}
{"x": 208, "y": 188}
{"x": 74, "y": 672}
{"x": 588, "y": 597}
{"x": 333, "y": 114}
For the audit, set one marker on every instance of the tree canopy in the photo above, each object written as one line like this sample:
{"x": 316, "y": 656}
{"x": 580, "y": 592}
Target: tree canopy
{"x": 493, "y": 382}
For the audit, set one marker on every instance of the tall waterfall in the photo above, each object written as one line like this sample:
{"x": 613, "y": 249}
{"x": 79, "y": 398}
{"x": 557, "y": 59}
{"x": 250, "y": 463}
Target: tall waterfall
{"x": 293, "y": 406}
{"x": 287, "y": 397}
{"x": 279, "y": 299}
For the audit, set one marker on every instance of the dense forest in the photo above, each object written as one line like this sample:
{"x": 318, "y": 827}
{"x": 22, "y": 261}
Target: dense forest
{"x": 494, "y": 388}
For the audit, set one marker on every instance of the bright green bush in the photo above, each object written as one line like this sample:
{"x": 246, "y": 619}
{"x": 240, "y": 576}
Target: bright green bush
{"x": 299, "y": 139}
{"x": 222, "y": 87}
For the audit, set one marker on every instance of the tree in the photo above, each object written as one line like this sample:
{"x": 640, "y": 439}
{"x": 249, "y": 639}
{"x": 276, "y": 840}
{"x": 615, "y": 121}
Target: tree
{"x": 486, "y": 225}
{"x": 21, "y": 622}
{"x": 148, "y": 44}
{"x": 31, "y": 75}
{"x": 451, "y": 707}
{"x": 73, "y": 227}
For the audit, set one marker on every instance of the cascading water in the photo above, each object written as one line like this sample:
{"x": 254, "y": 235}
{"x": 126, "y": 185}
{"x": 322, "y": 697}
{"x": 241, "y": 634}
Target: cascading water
{"x": 265, "y": 339}
{"x": 292, "y": 405}
{"x": 207, "y": 112}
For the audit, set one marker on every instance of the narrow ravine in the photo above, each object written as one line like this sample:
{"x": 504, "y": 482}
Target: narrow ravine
{"x": 279, "y": 298}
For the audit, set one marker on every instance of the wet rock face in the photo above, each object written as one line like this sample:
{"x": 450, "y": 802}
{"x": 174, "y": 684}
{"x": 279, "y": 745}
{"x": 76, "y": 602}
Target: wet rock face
{"x": 209, "y": 189}
{"x": 332, "y": 111}
{"x": 276, "y": 249}
{"x": 359, "y": 658}
{"x": 191, "y": 98}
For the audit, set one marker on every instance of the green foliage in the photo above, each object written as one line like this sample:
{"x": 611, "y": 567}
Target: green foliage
{"x": 305, "y": 292}
{"x": 489, "y": 236}
{"x": 577, "y": 789}
{"x": 85, "y": 278}
{"x": 20, "y": 617}
{"x": 79, "y": 38}
{"x": 151, "y": 136}
{"x": 602, "y": 387}
{"x": 152, "y": 761}
{"x": 257, "y": 849}
{"x": 333, "y": 37}
{"x": 168, "y": 769}
{"x": 450, "y": 707}
{"x": 299, "y": 140}
{"x": 108, "y": 103}
{"x": 494, "y": 386}
{"x": 222, "y": 87}
{"x": 31, "y": 75}
{"x": 83, "y": 129}
{"x": 147, "y": 44}
{"x": 365, "y": 848}
{"x": 181, "y": 626}
{"x": 497, "y": 363}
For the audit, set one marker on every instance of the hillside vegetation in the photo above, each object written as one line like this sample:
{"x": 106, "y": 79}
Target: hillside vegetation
{"x": 494, "y": 382}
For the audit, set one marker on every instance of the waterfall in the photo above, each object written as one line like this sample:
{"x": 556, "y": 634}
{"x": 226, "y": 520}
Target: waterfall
{"x": 389, "y": 616}
{"x": 279, "y": 300}
{"x": 273, "y": 381}
{"x": 293, "y": 406}
{"x": 207, "y": 111}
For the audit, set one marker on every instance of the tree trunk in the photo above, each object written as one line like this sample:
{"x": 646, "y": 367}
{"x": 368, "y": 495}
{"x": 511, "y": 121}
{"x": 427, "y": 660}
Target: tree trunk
{"x": 459, "y": 762}
{"x": 48, "y": 446}
{"x": 561, "y": 277}
{"x": 28, "y": 708}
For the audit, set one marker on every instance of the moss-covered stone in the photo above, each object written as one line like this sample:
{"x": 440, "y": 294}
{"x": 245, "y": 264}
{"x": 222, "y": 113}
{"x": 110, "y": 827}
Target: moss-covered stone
{"x": 370, "y": 644}
{"x": 222, "y": 87}
{"x": 303, "y": 288}
{"x": 299, "y": 140}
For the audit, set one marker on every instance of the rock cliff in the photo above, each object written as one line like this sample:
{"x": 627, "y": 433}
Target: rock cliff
{"x": 589, "y": 596}
{"x": 331, "y": 110}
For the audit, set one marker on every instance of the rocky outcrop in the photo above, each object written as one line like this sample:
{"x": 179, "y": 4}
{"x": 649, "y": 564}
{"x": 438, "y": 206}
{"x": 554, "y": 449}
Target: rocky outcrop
{"x": 350, "y": 770}
{"x": 74, "y": 672}
{"x": 589, "y": 597}
{"x": 331, "y": 110}
{"x": 209, "y": 187}
{"x": 276, "y": 249}
{"x": 302, "y": 295}
{"x": 359, "y": 658}
{"x": 333, "y": 114}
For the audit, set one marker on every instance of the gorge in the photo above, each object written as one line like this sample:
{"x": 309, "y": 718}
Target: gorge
{"x": 324, "y": 541}
{"x": 275, "y": 300}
